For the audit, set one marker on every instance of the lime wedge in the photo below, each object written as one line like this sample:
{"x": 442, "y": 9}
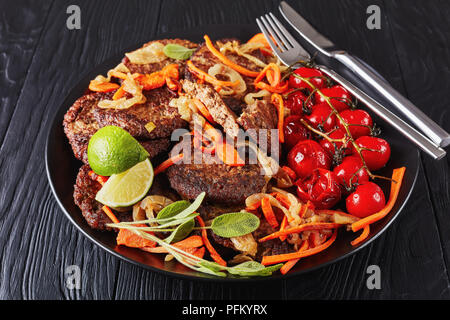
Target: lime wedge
{"x": 126, "y": 188}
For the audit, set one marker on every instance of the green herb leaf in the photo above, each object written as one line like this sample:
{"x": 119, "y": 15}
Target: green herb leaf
{"x": 178, "y": 52}
{"x": 173, "y": 209}
{"x": 235, "y": 224}
{"x": 181, "y": 232}
{"x": 192, "y": 207}
{"x": 252, "y": 269}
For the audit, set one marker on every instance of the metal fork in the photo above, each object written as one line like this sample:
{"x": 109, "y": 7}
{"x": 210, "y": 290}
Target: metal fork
{"x": 290, "y": 52}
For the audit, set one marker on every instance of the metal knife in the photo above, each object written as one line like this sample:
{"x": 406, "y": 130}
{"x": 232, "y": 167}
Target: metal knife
{"x": 328, "y": 48}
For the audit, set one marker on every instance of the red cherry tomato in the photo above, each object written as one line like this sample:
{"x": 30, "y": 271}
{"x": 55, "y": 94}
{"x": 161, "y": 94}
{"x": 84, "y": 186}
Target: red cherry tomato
{"x": 321, "y": 188}
{"x": 294, "y": 102}
{"x": 306, "y": 156}
{"x": 329, "y": 146}
{"x": 351, "y": 172}
{"x": 322, "y": 116}
{"x": 314, "y": 76}
{"x": 367, "y": 199}
{"x": 378, "y": 158}
{"x": 294, "y": 131}
{"x": 340, "y": 97}
{"x": 360, "y": 122}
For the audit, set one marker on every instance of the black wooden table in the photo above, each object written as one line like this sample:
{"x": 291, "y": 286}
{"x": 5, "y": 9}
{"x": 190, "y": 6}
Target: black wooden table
{"x": 41, "y": 60}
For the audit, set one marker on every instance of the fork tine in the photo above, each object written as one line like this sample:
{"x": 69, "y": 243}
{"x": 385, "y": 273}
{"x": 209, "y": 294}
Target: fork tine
{"x": 279, "y": 32}
{"x": 273, "y": 34}
{"x": 268, "y": 38}
{"x": 286, "y": 33}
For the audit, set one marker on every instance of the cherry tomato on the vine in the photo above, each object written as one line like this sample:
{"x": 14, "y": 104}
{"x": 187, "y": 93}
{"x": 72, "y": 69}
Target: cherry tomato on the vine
{"x": 351, "y": 172}
{"x": 360, "y": 122}
{"x": 294, "y": 131}
{"x": 329, "y": 146}
{"x": 306, "y": 156}
{"x": 314, "y": 76}
{"x": 340, "y": 98}
{"x": 367, "y": 199}
{"x": 379, "y": 153}
{"x": 294, "y": 102}
{"x": 322, "y": 116}
{"x": 321, "y": 188}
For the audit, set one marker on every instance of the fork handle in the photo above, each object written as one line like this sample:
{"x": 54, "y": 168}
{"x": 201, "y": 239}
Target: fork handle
{"x": 414, "y": 114}
{"x": 404, "y": 128}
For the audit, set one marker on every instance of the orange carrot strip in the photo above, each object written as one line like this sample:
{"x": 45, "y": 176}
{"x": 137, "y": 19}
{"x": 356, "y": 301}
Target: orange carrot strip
{"x": 255, "y": 206}
{"x": 291, "y": 173}
{"x": 283, "y": 199}
{"x": 284, "y": 223}
{"x": 288, "y": 265}
{"x": 130, "y": 239}
{"x": 397, "y": 178}
{"x": 305, "y": 208}
{"x": 272, "y": 73}
{"x": 198, "y": 252}
{"x": 268, "y": 260}
{"x": 363, "y": 236}
{"x": 277, "y": 100}
{"x": 100, "y": 179}
{"x": 226, "y": 152}
{"x": 260, "y": 38}
{"x": 191, "y": 242}
{"x": 268, "y": 212}
{"x": 119, "y": 93}
{"x": 280, "y": 89}
{"x": 204, "y": 111}
{"x": 208, "y": 78}
{"x": 110, "y": 214}
{"x": 301, "y": 228}
{"x": 99, "y": 86}
{"x": 171, "y": 161}
{"x": 213, "y": 253}
{"x": 227, "y": 61}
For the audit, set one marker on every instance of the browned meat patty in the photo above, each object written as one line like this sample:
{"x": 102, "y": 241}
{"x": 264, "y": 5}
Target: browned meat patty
{"x": 222, "y": 183}
{"x": 259, "y": 118}
{"x": 156, "y": 109}
{"x": 85, "y": 190}
{"x": 80, "y": 124}
{"x": 153, "y": 67}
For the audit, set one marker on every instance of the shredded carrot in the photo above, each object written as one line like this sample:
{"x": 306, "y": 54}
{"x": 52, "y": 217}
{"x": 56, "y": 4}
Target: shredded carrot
{"x": 301, "y": 228}
{"x": 291, "y": 173}
{"x": 130, "y": 239}
{"x": 99, "y": 86}
{"x": 204, "y": 111}
{"x": 119, "y": 93}
{"x": 157, "y": 79}
{"x": 268, "y": 212}
{"x": 277, "y": 100}
{"x": 268, "y": 260}
{"x": 173, "y": 84}
{"x": 397, "y": 178}
{"x": 255, "y": 206}
{"x": 305, "y": 208}
{"x": 199, "y": 141}
{"x": 117, "y": 74}
{"x": 100, "y": 179}
{"x": 260, "y": 38}
{"x": 280, "y": 89}
{"x": 213, "y": 253}
{"x": 226, "y": 152}
{"x": 284, "y": 200}
{"x": 272, "y": 73}
{"x": 203, "y": 76}
{"x": 191, "y": 242}
{"x": 171, "y": 161}
{"x": 291, "y": 263}
{"x": 110, "y": 214}
{"x": 227, "y": 61}
{"x": 363, "y": 236}
{"x": 284, "y": 223}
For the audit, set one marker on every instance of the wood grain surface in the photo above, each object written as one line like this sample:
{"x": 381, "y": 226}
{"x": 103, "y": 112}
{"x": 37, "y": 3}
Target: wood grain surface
{"x": 41, "y": 60}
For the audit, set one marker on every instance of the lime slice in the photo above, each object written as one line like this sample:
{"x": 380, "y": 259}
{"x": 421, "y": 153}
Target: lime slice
{"x": 113, "y": 150}
{"x": 127, "y": 188}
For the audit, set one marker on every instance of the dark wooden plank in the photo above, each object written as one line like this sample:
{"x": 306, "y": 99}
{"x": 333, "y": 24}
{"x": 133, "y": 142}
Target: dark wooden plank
{"x": 423, "y": 50}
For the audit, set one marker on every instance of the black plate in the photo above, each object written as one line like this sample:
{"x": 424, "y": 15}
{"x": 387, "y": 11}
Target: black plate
{"x": 62, "y": 168}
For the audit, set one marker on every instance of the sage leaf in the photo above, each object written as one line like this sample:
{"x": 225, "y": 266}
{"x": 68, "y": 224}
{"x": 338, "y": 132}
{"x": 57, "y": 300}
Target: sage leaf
{"x": 173, "y": 209}
{"x": 181, "y": 232}
{"x": 178, "y": 52}
{"x": 253, "y": 269}
{"x": 192, "y": 207}
{"x": 235, "y": 224}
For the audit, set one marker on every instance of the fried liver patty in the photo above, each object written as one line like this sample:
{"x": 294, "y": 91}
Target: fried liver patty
{"x": 153, "y": 67}
{"x": 222, "y": 183}
{"x": 80, "y": 124}
{"x": 156, "y": 109}
{"x": 84, "y": 193}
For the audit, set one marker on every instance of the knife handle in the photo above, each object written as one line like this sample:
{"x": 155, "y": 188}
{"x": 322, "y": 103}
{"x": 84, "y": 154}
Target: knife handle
{"x": 404, "y": 128}
{"x": 414, "y": 114}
